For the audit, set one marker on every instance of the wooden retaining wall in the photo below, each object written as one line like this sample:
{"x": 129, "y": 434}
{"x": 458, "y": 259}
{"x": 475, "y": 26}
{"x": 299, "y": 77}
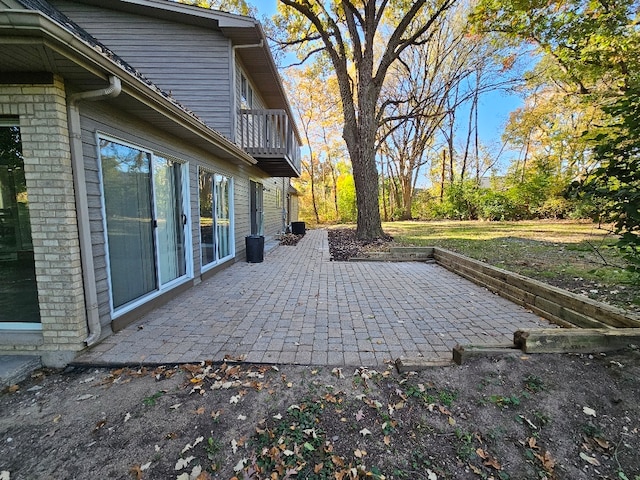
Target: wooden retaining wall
{"x": 559, "y": 306}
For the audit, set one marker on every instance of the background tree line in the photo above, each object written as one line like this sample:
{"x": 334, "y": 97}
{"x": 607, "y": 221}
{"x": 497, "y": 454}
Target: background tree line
{"x": 572, "y": 146}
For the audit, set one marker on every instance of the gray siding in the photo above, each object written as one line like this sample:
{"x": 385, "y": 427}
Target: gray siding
{"x": 192, "y": 63}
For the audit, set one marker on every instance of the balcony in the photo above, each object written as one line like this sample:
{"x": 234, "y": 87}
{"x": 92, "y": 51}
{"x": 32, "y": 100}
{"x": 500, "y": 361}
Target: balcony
{"x": 269, "y": 137}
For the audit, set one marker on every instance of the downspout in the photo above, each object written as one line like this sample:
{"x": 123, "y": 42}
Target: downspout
{"x": 82, "y": 207}
{"x": 234, "y": 96}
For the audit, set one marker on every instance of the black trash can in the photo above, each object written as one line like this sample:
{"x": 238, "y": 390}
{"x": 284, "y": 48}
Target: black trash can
{"x": 298, "y": 228}
{"x": 255, "y": 248}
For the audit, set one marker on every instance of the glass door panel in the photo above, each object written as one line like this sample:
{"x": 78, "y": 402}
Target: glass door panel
{"x": 127, "y": 195}
{"x": 18, "y": 289}
{"x": 223, "y": 216}
{"x": 170, "y": 219}
{"x": 207, "y": 239}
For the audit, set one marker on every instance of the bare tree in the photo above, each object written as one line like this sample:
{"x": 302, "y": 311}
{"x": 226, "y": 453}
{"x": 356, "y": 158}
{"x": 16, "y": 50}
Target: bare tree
{"x": 423, "y": 93}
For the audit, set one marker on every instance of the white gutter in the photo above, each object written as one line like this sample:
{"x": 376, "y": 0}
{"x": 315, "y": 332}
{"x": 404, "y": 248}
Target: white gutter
{"x": 82, "y": 207}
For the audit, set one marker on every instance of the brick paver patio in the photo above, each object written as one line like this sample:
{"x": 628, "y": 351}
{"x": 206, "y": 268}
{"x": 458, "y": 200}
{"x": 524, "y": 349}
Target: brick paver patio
{"x": 297, "y": 307}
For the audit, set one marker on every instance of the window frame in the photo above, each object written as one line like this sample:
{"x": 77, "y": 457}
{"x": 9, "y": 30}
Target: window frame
{"x": 246, "y": 92}
{"x": 188, "y": 240}
{"x": 232, "y": 244}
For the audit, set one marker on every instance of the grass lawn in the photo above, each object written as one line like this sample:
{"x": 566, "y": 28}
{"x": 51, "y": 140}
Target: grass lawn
{"x": 577, "y": 256}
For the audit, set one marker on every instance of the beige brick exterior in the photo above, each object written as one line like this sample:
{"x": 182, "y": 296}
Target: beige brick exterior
{"x": 45, "y": 144}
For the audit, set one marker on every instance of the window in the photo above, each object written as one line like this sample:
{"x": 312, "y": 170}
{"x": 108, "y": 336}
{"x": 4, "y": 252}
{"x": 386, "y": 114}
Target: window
{"x": 19, "y": 307}
{"x": 216, "y": 232}
{"x": 246, "y": 92}
{"x": 145, "y": 218}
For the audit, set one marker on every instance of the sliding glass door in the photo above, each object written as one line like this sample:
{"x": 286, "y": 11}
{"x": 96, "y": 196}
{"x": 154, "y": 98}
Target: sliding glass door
{"x": 145, "y": 220}
{"x": 216, "y": 233}
{"x": 171, "y": 219}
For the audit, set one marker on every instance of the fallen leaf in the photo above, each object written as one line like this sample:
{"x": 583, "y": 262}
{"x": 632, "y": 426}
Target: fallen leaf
{"x": 183, "y": 462}
{"x": 135, "y": 470}
{"x": 99, "y": 425}
{"x": 57, "y": 418}
{"x": 199, "y": 411}
{"x": 602, "y": 443}
{"x": 195, "y": 472}
{"x": 475, "y": 470}
{"x": 242, "y": 417}
{"x": 492, "y": 462}
{"x": 240, "y": 465}
{"x": 277, "y": 416}
{"x": 318, "y": 466}
{"x": 234, "y": 446}
{"x": 548, "y": 463}
{"x": 145, "y": 466}
{"x": 359, "y": 415}
{"x": 235, "y": 399}
{"x": 5, "y": 475}
{"x": 127, "y": 417}
{"x": 183, "y": 476}
{"x": 532, "y": 443}
{"x": 175, "y": 406}
{"x": 592, "y": 460}
{"x": 452, "y": 421}
{"x": 364, "y": 432}
{"x": 528, "y": 421}
{"x": 14, "y": 389}
{"x": 589, "y": 411}
{"x": 387, "y": 440}
{"x": 86, "y": 396}
{"x": 443, "y": 410}
{"x": 431, "y": 475}
{"x": 359, "y": 453}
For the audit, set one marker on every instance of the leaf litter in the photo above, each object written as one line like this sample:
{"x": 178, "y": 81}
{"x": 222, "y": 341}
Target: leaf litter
{"x": 344, "y": 423}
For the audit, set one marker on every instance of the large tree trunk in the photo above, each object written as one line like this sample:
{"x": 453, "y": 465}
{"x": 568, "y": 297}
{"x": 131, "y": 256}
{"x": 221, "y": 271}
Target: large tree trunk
{"x": 365, "y": 176}
{"x": 407, "y": 197}
{"x": 360, "y": 137}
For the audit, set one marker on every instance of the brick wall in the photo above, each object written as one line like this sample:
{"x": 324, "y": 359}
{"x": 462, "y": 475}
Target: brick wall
{"x": 42, "y": 114}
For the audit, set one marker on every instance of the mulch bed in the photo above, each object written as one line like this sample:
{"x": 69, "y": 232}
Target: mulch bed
{"x": 344, "y": 245}
{"x": 290, "y": 239}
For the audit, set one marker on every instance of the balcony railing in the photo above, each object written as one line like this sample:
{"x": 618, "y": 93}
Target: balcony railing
{"x": 268, "y": 136}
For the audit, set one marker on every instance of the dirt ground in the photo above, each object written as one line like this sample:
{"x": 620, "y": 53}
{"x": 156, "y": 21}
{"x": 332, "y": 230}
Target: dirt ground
{"x": 510, "y": 417}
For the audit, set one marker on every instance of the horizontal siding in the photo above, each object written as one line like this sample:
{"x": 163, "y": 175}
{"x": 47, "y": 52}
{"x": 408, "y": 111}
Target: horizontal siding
{"x": 192, "y": 63}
